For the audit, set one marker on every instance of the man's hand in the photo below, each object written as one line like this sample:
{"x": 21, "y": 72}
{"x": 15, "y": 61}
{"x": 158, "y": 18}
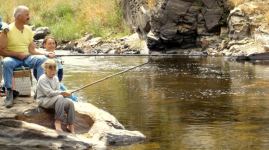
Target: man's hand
{"x": 50, "y": 54}
{"x": 66, "y": 94}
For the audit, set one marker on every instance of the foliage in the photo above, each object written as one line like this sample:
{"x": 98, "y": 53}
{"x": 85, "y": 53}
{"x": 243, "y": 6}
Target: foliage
{"x": 70, "y": 19}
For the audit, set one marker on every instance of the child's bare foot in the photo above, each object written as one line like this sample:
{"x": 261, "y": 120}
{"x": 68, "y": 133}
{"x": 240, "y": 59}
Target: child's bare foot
{"x": 58, "y": 126}
{"x": 71, "y": 128}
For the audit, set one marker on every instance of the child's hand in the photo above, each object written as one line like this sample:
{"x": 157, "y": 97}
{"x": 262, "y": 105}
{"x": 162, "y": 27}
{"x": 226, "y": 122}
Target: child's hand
{"x": 66, "y": 94}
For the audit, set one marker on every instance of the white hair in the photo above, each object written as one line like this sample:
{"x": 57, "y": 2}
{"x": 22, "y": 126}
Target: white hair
{"x": 19, "y": 9}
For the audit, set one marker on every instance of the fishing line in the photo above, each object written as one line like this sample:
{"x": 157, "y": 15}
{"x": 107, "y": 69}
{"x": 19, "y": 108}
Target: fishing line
{"x": 107, "y": 77}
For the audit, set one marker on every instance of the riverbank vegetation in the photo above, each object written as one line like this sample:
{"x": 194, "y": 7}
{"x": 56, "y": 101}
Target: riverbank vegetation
{"x": 71, "y": 19}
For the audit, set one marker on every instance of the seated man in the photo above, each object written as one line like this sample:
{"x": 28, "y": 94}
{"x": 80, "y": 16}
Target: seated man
{"x": 18, "y": 48}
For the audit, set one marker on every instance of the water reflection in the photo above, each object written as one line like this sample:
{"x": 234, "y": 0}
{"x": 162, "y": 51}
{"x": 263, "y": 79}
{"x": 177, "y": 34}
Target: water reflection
{"x": 181, "y": 103}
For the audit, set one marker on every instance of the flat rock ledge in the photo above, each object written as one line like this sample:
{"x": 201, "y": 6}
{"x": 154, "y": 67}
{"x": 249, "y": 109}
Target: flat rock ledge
{"x": 25, "y": 126}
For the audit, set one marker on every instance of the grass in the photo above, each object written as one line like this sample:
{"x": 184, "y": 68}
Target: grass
{"x": 70, "y": 19}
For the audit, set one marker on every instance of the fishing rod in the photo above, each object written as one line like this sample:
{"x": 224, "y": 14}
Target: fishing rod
{"x": 149, "y": 55}
{"x": 107, "y": 77}
{"x": 135, "y": 55}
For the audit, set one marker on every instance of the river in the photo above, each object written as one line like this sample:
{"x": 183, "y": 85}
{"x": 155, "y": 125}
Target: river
{"x": 180, "y": 102}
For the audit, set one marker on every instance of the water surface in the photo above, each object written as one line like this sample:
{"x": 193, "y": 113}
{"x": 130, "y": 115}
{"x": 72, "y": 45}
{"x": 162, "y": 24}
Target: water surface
{"x": 180, "y": 102}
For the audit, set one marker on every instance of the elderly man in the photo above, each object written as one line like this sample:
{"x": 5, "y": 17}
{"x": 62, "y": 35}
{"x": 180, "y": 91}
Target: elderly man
{"x": 18, "y": 48}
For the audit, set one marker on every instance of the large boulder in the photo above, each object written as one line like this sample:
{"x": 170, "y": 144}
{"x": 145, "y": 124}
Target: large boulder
{"x": 41, "y": 33}
{"x": 238, "y": 25}
{"x": 176, "y": 23}
{"x": 25, "y": 126}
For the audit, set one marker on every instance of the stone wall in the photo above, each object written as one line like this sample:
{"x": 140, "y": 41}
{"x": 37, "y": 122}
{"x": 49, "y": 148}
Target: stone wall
{"x": 175, "y": 23}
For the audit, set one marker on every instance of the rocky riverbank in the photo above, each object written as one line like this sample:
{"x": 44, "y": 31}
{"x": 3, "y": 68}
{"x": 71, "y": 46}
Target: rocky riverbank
{"x": 248, "y": 31}
{"x": 89, "y": 44}
{"x": 25, "y": 126}
{"x": 211, "y": 27}
{"x": 184, "y": 27}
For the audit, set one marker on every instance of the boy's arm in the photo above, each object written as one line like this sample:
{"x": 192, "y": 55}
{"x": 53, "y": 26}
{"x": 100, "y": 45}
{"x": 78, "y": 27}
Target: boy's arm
{"x": 46, "y": 89}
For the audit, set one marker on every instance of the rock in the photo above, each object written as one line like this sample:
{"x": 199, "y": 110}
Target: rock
{"x": 70, "y": 45}
{"x": 168, "y": 31}
{"x": 212, "y": 18}
{"x": 261, "y": 35}
{"x": 112, "y": 52}
{"x": 131, "y": 52}
{"x": 131, "y": 44}
{"x": 209, "y": 41}
{"x": 197, "y": 53}
{"x": 213, "y": 12}
{"x": 97, "y": 51}
{"x": 25, "y": 126}
{"x": 79, "y": 50}
{"x": 143, "y": 22}
{"x": 93, "y": 42}
{"x": 210, "y": 4}
{"x": 175, "y": 8}
{"x": 17, "y": 134}
{"x": 154, "y": 42}
{"x": 134, "y": 45}
{"x": 238, "y": 25}
{"x": 239, "y": 42}
{"x": 123, "y": 137}
{"x": 155, "y": 53}
{"x": 201, "y": 30}
{"x": 244, "y": 47}
{"x": 39, "y": 43}
{"x": 266, "y": 48}
{"x": 137, "y": 16}
{"x": 86, "y": 38}
{"x": 223, "y": 32}
{"x": 86, "y": 44}
{"x": 41, "y": 33}
{"x": 175, "y": 23}
{"x": 106, "y": 47}
{"x": 223, "y": 45}
{"x": 107, "y": 128}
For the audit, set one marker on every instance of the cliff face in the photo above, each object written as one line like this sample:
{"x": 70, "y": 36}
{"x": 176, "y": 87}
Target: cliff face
{"x": 179, "y": 23}
{"x": 248, "y": 30}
